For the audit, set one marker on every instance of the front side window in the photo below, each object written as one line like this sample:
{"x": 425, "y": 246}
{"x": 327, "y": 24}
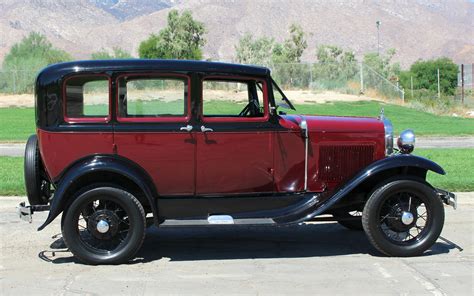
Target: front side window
{"x": 87, "y": 98}
{"x": 233, "y": 98}
{"x": 152, "y": 97}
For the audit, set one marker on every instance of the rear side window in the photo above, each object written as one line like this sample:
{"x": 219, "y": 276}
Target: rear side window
{"x": 87, "y": 98}
{"x": 152, "y": 97}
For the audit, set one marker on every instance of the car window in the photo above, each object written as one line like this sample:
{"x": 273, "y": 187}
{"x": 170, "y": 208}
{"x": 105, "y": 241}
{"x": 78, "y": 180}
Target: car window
{"x": 152, "y": 96}
{"x": 87, "y": 97}
{"x": 232, "y": 98}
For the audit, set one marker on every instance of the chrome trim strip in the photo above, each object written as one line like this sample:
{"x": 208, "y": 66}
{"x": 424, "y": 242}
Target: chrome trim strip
{"x": 304, "y": 128}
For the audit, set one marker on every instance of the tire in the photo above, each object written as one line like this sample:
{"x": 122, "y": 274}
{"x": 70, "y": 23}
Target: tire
{"x": 384, "y": 220}
{"x": 125, "y": 232}
{"x": 33, "y": 168}
{"x": 353, "y": 224}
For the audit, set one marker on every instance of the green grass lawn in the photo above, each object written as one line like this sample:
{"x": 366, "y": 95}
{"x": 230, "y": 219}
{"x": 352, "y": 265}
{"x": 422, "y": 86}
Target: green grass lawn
{"x": 11, "y": 176}
{"x": 458, "y": 164}
{"x": 423, "y": 123}
{"x": 16, "y": 124}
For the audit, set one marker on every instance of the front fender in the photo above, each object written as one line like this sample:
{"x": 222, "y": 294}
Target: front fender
{"x": 100, "y": 163}
{"x": 391, "y": 162}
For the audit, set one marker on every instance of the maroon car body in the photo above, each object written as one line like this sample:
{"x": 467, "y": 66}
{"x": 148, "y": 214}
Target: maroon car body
{"x": 189, "y": 166}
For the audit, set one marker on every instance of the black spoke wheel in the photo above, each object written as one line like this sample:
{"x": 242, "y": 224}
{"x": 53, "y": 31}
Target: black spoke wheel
{"x": 403, "y": 218}
{"x": 350, "y": 220}
{"x": 104, "y": 225}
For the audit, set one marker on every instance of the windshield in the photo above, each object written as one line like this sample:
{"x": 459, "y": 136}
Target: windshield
{"x": 280, "y": 99}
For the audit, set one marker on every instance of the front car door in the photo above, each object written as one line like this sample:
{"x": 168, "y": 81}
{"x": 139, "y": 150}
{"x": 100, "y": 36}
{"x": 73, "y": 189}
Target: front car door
{"x": 234, "y": 138}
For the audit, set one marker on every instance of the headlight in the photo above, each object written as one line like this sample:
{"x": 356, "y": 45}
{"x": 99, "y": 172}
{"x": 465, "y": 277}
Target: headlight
{"x": 406, "y": 141}
{"x": 387, "y": 124}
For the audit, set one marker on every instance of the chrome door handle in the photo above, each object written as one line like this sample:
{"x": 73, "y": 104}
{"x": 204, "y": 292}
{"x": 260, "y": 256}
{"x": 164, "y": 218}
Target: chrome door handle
{"x": 187, "y": 128}
{"x": 206, "y": 129}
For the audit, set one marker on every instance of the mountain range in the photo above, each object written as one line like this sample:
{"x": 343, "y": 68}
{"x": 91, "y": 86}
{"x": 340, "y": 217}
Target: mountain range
{"x": 417, "y": 29}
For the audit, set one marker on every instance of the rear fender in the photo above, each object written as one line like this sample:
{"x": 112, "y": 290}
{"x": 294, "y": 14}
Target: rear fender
{"x": 100, "y": 163}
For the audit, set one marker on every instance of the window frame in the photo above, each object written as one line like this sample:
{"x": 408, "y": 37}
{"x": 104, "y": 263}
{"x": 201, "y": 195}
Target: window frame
{"x": 185, "y": 118}
{"x": 210, "y": 119}
{"x": 87, "y": 119}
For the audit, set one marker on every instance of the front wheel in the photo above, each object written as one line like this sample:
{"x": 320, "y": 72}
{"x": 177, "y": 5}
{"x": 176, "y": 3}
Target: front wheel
{"x": 403, "y": 218}
{"x": 104, "y": 225}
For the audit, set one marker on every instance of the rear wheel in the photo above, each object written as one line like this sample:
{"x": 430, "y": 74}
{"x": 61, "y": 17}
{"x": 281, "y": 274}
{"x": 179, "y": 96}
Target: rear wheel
{"x": 403, "y": 218}
{"x": 104, "y": 225}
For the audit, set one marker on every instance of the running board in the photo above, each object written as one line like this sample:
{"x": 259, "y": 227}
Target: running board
{"x": 217, "y": 220}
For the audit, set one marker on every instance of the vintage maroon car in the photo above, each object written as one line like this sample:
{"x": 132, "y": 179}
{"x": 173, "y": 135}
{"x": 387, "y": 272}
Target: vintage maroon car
{"x": 124, "y": 144}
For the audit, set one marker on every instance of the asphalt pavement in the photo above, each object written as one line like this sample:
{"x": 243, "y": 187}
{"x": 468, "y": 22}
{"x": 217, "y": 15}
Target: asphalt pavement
{"x": 322, "y": 259}
{"x": 18, "y": 149}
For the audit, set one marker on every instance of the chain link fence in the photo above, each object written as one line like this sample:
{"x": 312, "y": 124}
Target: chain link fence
{"x": 351, "y": 78}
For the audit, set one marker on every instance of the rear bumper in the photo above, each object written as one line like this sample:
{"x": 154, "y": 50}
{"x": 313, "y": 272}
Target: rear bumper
{"x": 26, "y": 212}
{"x": 448, "y": 198}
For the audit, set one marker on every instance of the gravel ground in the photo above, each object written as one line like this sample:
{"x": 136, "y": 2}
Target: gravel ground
{"x": 322, "y": 259}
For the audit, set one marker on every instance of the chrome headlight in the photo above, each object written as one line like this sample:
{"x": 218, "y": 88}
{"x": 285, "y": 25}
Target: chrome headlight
{"x": 406, "y": 141}
{"x": 388, "y": 127}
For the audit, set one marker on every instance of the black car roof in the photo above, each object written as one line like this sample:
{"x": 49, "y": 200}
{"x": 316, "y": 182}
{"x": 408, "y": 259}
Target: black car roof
{"x": 142, "y": 64}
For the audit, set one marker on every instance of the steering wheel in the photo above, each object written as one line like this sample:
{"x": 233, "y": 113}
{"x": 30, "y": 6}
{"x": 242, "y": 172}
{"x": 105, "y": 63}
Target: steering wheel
{"x": 252, "y": 108}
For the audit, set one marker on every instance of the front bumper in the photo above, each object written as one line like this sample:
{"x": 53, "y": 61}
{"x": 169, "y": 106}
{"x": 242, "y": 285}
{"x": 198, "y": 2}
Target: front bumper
{"x": 26, "y": 212}
{"x": 448, "y": 198}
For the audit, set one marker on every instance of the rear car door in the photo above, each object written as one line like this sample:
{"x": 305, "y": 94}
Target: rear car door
{"x": 234, "y": 138}
{"x": 153, "y": 129}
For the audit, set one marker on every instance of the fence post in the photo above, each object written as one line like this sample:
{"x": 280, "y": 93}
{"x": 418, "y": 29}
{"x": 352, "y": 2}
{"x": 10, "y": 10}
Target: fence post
{"x": 361, "y": 78}
{"x": 439, "y": 91}
{"x": 462, "y": 83}
{"x": 14, "y": 83}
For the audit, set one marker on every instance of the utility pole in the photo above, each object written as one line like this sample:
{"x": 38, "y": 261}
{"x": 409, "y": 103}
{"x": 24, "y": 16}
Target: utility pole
{"x": 378, "y": 23}
{"x": 439, "y": 91}
{"x": 411, "y": 84}
{"x": 361, "y": 78}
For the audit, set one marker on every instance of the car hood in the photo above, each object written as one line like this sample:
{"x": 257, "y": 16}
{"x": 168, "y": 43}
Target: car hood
{"x": 334, "y": 124}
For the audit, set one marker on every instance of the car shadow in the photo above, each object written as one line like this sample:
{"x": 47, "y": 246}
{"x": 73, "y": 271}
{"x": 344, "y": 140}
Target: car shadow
{"x": 246, "y": 242}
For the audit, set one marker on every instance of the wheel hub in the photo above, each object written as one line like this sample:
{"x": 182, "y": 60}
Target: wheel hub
{"x": 103, "y": 224}
{"x": 402, "y": 219}
{"x": 407, "y": 218}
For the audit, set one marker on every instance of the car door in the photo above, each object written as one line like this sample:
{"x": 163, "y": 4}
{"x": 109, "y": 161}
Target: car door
{"x": 153, "y": 129}
{"x": 234, "y": 139}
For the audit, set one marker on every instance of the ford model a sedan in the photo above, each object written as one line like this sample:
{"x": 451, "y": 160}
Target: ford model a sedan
{"x": 121, "y": 145}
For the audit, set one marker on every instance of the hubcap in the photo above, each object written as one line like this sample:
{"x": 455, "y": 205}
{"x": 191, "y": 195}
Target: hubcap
{"x": 407, "y": 218}
{"x": 102, "y": 226}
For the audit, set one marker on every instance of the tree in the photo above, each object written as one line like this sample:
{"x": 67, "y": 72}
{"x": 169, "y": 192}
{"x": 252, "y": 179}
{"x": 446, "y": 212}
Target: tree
{"x": 266, "y": 51}
{"x": 425, "y": 75}
{"x": 117, "y": 53}
{"x": 257, "y": 51}
{"x": 382, "y": 63}
{"x": 25, "y": 59}
{"x": 335, "y": 63}
{"x": 294, "y": 47}
{"x": 182, "y": 38}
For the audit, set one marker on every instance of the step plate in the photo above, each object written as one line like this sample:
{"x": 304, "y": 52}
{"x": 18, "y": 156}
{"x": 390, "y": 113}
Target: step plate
{"x": 195, "y": 222}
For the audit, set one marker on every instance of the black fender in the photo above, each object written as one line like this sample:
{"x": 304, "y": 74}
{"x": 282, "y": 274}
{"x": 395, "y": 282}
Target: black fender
{"x": 101, "y": 163}
{"x": 391, "y": 162}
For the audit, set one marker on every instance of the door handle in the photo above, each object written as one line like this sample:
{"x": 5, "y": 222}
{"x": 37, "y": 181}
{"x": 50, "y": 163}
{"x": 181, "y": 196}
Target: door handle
{"x": 187, "y": 128}
{"x": 206, "y": 129}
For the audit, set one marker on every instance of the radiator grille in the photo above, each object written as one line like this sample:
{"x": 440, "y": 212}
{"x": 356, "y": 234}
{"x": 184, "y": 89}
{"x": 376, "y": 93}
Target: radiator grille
{"x": 338, "y": 163}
